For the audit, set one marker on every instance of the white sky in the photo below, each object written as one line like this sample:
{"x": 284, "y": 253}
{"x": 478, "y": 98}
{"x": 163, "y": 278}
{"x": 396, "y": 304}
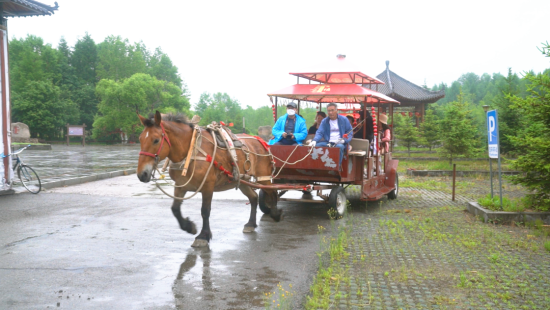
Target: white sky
{"x": 247, "y": 48}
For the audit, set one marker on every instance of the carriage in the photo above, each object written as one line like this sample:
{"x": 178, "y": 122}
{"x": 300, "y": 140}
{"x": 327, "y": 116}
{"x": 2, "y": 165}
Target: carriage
{"x": 218, "y": 160}
{"x": 316, "y": 169}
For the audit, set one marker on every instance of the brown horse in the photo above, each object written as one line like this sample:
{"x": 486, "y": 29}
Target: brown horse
{"x": 171, "y": 137}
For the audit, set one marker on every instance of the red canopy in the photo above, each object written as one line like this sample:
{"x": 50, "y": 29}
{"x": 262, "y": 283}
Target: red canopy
{"x": 343, "y": 93}
{"x": 337, "y": 71}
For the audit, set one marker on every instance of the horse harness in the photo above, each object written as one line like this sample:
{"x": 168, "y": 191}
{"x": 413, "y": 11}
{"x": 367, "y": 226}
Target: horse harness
{"x": 224, "y": 138}
{"x": 156, "y": 155}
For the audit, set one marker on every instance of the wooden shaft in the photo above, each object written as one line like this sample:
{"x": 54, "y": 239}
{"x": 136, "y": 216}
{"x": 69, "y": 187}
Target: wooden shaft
{"x": 165, "y": 166}
{"x": 189, "y": 153}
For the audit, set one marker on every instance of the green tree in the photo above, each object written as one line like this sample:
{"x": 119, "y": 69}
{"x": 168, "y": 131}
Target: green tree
{"x": 118, "y": 59}
{"x": 533, "y": 137}
{"x": 458, "y": 134}
{"x": 509, "y": 121}
{"x": 220, "y": 107}
{"x": 161, "y": 67}
{"x": 142, "y": 93}
{"x": 406, "y": 132}
{"x": 84, "y": 60}
{"x": 429, "y": 129}
{"x": 40, "y": 107}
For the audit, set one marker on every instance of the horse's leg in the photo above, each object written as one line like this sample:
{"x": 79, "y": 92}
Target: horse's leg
{"x": 205, "y": 234}
{"x": 185, "y": 223}
{"x": 253, "y": 198}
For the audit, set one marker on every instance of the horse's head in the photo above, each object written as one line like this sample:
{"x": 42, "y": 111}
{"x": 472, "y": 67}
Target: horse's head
{"x": 155, "y": 146}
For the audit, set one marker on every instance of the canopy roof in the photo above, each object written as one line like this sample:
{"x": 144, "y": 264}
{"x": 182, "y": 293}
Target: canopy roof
{"x": 406, "y": 92}
{"x": 337, "y": 71}
{"x": 341, "y": 93}
{"x": 12, "y": 8}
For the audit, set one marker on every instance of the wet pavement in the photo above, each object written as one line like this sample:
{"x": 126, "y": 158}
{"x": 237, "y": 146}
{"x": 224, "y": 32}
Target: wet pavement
{"x": 65, "y": 162}
{"x": 112, "y": 244}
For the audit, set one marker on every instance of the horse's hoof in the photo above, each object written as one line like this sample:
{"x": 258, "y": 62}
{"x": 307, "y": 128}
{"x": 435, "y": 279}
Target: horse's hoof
{"x": 248, "y": 229}
{"x": 193, "y": 229}
{"x": 277, "y": 217}
{"x": 200, "y": 243}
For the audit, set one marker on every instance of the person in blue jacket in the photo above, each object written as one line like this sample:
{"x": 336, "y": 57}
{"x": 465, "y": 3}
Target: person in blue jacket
{"x": 335, "y": 130}
{"x": 290, "y": 128}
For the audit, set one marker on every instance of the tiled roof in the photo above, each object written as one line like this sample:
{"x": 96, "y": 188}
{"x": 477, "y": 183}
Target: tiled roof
{"x": 13, "y": 8}
{"x": 404, "y": 91}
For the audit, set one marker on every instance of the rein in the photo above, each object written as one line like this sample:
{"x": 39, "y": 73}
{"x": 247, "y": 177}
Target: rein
{"x": 156, "y": 155}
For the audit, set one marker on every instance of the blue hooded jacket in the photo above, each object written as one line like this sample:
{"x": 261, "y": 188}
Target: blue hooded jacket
{"x": 300, "y": 129}
{"x": 324, "y": 129}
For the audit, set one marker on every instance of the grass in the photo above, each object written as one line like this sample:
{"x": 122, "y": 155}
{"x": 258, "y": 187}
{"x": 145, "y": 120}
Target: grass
{"x": 443, "y": 164}
{"x": 465, "y": 263}
{"x": 282, "y": 298}
{"x": 508, "y": 205}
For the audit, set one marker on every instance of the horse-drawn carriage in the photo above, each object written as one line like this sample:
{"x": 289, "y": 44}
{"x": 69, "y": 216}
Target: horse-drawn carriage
{"x": 316, "y": 169}
{"x": 210, "y": 159}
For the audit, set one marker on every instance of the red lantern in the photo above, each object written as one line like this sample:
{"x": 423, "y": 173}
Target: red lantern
{"x": 273, "y": 106}
{"x": 410, "y": 114}
{"x": 230, "y": 124}
{"x": 417, "y": 114}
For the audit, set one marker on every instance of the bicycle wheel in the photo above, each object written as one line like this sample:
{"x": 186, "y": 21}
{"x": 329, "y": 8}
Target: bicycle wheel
{"x": 29, "y": 178}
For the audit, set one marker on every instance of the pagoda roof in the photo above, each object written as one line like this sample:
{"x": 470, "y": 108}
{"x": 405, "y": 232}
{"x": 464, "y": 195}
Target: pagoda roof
{"x": 18, "y": 8}
{"x": 403, "y": 90}
{"x": 338, "y": 93}
{"x": 337, "y": 71}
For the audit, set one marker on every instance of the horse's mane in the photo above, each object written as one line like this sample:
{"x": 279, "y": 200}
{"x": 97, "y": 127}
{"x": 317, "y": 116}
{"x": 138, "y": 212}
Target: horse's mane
{"x": 176, "y": 118}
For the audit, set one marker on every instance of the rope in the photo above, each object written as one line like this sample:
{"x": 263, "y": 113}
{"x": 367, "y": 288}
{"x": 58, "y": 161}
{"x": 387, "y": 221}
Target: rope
{"x": 203, "y": 180}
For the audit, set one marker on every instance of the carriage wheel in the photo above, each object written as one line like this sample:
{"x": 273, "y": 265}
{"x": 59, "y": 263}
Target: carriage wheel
{"x": 393, "y": 194}
{"x": 262, "y": 196}
{"x": 337, "y": 203}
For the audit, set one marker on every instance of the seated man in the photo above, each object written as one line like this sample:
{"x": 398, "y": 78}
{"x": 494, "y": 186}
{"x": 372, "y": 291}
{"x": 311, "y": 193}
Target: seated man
{"x": 336, "y": 131}
{"x": 290, "y": 128}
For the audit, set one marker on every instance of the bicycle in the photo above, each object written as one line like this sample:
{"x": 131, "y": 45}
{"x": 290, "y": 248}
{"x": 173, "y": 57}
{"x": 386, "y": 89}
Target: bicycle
{"x": 28, "y": 177}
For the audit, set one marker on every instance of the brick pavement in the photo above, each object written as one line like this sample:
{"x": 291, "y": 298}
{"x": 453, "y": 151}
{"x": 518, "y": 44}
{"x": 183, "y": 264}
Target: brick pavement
{"x": 423, "y": 251}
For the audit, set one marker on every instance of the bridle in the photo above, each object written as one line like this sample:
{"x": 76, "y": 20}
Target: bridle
{"x": 156, "y": 155}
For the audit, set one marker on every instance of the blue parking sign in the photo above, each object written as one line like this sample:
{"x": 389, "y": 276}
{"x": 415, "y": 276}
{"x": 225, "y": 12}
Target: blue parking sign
{"x": 492, "y": 132}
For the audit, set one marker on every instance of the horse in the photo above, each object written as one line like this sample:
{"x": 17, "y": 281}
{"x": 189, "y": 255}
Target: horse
{"x": 169, "y": 136}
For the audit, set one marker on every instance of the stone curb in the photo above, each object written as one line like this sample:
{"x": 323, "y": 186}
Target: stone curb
{"x": 507, "y": 217}
{"x": 86, "y": 179}
{"x": 438, "y": 158}
{"x": 34, "y": 147}
{"x": 461, "y": 173}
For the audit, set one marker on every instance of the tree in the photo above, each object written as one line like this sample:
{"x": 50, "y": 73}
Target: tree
{"x": 118, "y": 59}
{"x": 406, "y": 131}
{"x": 458, "y": 132}
{"x": 142, "y": 93}
{"x": 509, "y": 121}
{"x": 533, "y": 137}
{"x": 42, "y": 109}
{"x": 84, "y": 60}
{"x": 429, "y": 129}
{"x": 220, "y": 107}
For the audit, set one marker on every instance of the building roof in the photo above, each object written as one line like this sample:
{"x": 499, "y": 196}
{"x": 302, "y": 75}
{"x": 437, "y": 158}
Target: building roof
{"x": 404, "y": 91}
{"x": 13, "y": 8}
{"x": 342, "y": 93}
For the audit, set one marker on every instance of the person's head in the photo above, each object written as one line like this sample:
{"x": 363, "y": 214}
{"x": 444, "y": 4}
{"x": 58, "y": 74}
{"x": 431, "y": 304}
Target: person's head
{"x": 291, "y": 109}
{"x": 320, "y": 116}
{"x": 383, "y": 119}
{"x": 350, "y": 119}
{"x": 332, "y": 111}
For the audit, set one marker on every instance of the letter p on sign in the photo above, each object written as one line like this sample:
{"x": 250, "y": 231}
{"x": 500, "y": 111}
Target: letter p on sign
{"x": 492, "y": 127}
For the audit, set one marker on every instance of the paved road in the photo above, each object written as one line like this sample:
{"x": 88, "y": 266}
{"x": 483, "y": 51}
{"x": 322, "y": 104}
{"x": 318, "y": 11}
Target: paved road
{"x": 113, "y": 244}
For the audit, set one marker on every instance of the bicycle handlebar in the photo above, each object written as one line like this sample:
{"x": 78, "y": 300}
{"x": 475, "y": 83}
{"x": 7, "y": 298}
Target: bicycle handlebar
{"x": 15, "y": 153}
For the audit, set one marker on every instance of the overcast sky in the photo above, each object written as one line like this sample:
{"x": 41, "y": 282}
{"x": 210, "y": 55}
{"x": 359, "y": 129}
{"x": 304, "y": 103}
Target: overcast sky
{"x": 247, "y": 48}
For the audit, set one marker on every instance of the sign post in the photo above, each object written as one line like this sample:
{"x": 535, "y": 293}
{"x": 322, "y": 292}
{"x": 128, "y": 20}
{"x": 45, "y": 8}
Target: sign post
{"x": 494, "y": 148}
{"x": 76, "y": 131}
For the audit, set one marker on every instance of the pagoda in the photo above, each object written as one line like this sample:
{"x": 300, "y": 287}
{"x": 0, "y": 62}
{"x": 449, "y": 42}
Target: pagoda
{"x": 406, "y": 92}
